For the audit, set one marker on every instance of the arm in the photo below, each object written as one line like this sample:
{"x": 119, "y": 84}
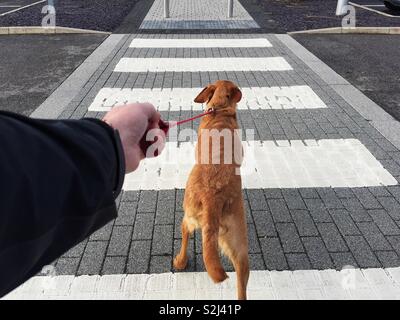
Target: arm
{"x": 58, "y": 183}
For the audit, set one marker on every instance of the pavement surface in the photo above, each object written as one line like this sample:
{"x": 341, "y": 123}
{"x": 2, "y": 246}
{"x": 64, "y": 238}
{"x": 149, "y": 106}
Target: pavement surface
{"x": 321, "y": 175}
{"x": 101, "y": 15}
{"x": 30, "y": 76}
{"x": 372, "y": 71}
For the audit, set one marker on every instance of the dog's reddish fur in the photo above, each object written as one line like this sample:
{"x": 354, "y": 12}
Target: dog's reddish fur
{"x": 213, "y": 198}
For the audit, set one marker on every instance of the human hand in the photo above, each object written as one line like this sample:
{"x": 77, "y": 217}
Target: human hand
{"x": 133, "y": 121}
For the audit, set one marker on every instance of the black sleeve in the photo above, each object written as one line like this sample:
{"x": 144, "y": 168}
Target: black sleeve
{"x": 58, "y": 183}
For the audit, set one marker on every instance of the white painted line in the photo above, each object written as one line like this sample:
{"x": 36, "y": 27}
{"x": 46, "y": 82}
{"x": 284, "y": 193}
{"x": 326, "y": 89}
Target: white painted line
{"x": 373, "y": 10}
{"x": 200, "y": 43}
{"x": 287, "y": 164}
{"x": 294, "y": 97}
{"x": 263, "y": 285}
{"x": 201, "y": 64}
{"x": 20, "y": 8}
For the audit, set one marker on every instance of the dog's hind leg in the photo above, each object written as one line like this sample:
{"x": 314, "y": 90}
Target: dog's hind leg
{"x": 234, "y": 244}
{"x": 181, "y": 259}
{"x": 241, "y": 265}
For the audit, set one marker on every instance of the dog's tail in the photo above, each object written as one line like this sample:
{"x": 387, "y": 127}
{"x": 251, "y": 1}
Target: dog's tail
{"x": 211, "y": 257}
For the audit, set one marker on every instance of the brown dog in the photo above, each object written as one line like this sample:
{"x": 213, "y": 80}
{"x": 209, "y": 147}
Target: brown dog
{"x": 213, "y": 198}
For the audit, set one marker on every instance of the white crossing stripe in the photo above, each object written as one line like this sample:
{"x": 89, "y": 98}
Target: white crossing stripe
{"x": 294, "y": 97}
{"x": 286, "y": 164}
{"x": 200, "y": 43}
{"x": 263, "y": 285}
{"x": 201, "y": 64}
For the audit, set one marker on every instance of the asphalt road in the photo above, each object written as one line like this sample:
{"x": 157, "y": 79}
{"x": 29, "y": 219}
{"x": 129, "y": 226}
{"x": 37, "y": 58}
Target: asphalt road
{"x": 33, "y": 66}
{"x": 103, "y": 15}
{"x": 369, "y": 62}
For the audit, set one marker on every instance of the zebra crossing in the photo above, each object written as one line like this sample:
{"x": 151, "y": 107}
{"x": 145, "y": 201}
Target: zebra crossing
{"x": 320, "y": 183}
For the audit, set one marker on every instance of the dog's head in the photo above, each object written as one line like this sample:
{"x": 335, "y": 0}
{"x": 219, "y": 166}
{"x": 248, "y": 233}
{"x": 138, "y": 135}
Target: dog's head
{"x": 222, "y": 94}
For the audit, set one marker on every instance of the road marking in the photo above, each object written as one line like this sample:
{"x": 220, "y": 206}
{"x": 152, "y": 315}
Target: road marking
{"x": 284, "y": 164}
{"x": 175, "y": 99}
{"x": 201, "y": 64}
{"x": 200, "y": 43}
{"x": 263, "y": 285}
{"x": 373, "y": 10}
{"x": 20, "y": 8}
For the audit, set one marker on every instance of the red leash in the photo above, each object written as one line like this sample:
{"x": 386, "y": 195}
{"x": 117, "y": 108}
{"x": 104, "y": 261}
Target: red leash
{"x": 165, "y": 126}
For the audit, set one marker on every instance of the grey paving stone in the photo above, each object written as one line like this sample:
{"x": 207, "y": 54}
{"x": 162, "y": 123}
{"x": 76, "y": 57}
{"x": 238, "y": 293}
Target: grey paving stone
{"x": 273, "y": 193}
{"x": 273, "y": 254}
{"x": 160, "y": 264}
{"x": 366, "y": 198}
{"x": 198, "y": 241}
{"x": 147, "y": 201}
{"x": 344, "y": 193}
{"x": 331, "y": 237}
{"x": 247, "y": 210}
{"x": 254, "y": 246}
{"x": 103, "y": 234}
{"x": 317, "y": 210}
{"x": 317, "y": 253}
{"x": 76, "y": 251}
{"x": 344, "y": 222}
{"x": 395, "y": 191}
{"x": 256, "y": 261}
{"x": 304, "y": 223}
{"x": 343, "y": 259}
{"x": 162, "y": 240}
{"x": 289, "y": 237}
{"x": 356, "y": 210}
{"x": 309, "y": 193}
{"x": 120, "y": 240}
{"x": 279, "y": 210}
{"x": 391, "y": 206}
{"x": 293, "y": 199}
{"x": 374, "y": 237}
{"x": 200, "y": 263}
{"x": 143, "y": 228}
{"x": 384, "y": 222}
{"x": 329, "y": 198}
{"x": 362, "y": 252}
{"x": 395, "y": 242}
{"x": 256, "y": 199}
{"x": 126, "y": 214}
{"x": 389, "y": 259}
{"x": 93, "y": 257}
{"x": 379, "y": 191}
{"x": 67, "y": 266}
{"x": 114, "y": 265}
{"x": 298, "y": 261}
{"x": 179, "y": 199}
{"x": 177, "y": 225}
{"x": 191, "y": 264}
{"x": 139, "y": 257}
{"x": 264, "y": 224}
{"x": 165, "y": 207}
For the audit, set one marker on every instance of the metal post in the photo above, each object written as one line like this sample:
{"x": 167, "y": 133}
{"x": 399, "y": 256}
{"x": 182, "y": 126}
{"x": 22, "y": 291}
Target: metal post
{"x": 166, "y": 9}
{"x": 340, "y": 9}
{"x": 230, "y": 8}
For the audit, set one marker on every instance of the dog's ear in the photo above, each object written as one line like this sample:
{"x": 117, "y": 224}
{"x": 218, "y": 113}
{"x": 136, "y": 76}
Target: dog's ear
{"x": 236, "y": 95}
{"x": 206, "y": 94}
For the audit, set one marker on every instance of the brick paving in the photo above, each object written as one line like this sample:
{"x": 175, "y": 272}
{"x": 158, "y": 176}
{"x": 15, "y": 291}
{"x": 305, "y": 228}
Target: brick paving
{"x": 192, "y": 14}
{"x": 289, "y": 228}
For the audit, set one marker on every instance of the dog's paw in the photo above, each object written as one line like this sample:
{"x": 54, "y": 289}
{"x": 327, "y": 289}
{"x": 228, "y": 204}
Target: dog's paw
{"x": 180, "y": 263}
